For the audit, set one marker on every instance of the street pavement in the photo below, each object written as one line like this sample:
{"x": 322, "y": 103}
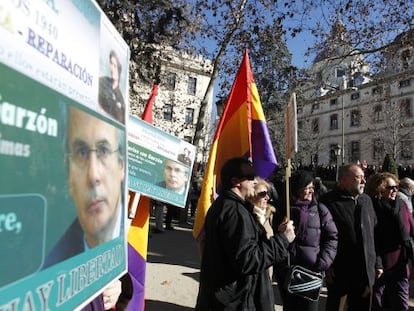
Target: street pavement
{"x": 172, "y": 272}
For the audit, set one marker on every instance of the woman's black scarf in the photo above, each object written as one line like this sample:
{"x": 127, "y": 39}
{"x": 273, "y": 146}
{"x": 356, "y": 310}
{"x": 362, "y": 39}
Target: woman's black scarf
{"x": 394, "y": 208}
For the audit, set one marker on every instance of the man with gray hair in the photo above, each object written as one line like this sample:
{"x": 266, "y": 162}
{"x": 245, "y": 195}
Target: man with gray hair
{"x": 96, "y": 170}
{"x": 355, "y": 218}
{"x": 406, "y": 191}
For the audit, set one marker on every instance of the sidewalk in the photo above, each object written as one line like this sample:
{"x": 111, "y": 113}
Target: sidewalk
{"x": 172, "y": 272}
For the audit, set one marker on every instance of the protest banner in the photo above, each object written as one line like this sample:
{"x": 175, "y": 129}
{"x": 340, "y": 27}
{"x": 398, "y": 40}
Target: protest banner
{"x": 160, "y": 164}
{"x": 62, "y": 154}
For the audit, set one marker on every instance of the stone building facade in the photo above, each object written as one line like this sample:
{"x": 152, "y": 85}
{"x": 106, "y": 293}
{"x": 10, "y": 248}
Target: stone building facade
{"x": 345, "y": 114}
{"x": 183, "y": 83}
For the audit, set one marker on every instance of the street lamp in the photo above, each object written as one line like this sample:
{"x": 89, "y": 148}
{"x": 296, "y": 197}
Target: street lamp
{"x": 337, "y": 152}
{"x": 337, "y": 88}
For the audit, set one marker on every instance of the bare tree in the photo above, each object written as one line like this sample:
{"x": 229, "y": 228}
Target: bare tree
{"x": 220, "y": 30}
{"x": 391, "y": 129}
{"x": 229, "y": 26}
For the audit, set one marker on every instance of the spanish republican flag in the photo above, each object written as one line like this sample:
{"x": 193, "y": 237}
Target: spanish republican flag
{"x": 138, "y": 233}
{"x": 242, "y": 132}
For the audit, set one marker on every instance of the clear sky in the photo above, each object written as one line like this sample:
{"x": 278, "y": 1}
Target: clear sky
{"x": 297, "y": 47}
{"x": 303, "y": 40}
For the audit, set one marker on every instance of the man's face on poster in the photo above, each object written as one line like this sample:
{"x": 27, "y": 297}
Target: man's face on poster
{"x": 175, "y": 176}
{"x": 96, "y": 172}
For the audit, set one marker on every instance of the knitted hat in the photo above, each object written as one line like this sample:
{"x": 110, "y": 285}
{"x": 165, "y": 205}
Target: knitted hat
{"x": 299, "y": 180}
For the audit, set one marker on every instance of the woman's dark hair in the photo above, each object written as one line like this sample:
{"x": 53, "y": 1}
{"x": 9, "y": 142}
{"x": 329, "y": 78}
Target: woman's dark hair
{"x": 113, "y": 54}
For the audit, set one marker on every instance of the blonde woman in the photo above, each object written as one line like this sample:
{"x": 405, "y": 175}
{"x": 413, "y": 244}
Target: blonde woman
{"x": 261, "y": 208}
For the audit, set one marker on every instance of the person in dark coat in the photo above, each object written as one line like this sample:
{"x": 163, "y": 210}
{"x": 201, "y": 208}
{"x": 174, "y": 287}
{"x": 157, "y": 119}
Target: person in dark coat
{"x": 236, "y": 253}
{"x": 351, "y": 277}
{"x": 393, "y": 233}
{"x": 406, "y": 191}
{"x": 316, "y": 239}
{"x": 320, "y": 188}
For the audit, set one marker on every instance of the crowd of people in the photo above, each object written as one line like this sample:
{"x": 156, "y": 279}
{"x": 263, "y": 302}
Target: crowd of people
{"x": 357, "y": 237}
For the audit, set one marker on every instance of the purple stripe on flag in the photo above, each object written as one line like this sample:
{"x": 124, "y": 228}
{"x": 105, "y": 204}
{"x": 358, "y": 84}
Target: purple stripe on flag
{"x": 264, "y": 159}
{"x": 136, "y": 270}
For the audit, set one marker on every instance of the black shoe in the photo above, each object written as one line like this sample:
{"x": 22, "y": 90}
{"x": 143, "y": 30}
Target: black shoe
{"x": 169, "y": 228}
{"x": 156, "y": 230}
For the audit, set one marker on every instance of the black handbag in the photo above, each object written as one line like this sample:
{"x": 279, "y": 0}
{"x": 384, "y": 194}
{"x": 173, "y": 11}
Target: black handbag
{"x": 304, "y": 282}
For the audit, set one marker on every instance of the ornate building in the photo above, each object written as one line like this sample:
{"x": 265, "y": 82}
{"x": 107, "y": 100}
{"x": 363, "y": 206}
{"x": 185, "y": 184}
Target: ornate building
{"x": 183, "y": 83}
{"x": 347, "y": 115}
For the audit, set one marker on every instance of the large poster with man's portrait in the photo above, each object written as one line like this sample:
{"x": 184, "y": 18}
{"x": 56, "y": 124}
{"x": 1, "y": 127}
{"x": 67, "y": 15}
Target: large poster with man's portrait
{"x": 159, "y": 164}
{"x": 62, "y": 154}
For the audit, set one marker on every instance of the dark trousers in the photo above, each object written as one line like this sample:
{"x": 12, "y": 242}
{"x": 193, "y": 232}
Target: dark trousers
{"x": 171, "y": 212}
{"x": 391, "y": 290}
{"x": 357, "y": 298}
{"x": 193, "y": 206}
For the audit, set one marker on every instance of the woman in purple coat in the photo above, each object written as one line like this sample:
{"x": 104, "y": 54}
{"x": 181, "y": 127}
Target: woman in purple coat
{"x": 316, "y": 239}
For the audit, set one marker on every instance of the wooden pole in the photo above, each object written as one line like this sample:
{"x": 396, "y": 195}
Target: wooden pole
{"x": 287, "y": 177}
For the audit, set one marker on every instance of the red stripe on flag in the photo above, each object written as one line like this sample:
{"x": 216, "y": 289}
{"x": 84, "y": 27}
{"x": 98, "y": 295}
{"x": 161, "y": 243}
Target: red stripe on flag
{"x": 138, "y": 232}
{"x": 235, "y": 126}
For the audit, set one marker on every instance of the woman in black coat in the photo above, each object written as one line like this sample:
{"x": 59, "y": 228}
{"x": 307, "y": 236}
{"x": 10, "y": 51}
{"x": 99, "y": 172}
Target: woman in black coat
{"x": 316, "y": 239}
{"x": 394, "y": 230}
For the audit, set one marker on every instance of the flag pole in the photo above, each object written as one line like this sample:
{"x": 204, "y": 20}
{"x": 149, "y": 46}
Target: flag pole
{"x": 287, "y": 176}
{"x": 291, "y": 144}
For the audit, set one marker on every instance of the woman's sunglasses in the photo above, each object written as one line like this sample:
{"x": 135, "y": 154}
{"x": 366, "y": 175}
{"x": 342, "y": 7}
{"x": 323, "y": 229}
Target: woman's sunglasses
{"x": 395, "y": 188}
{"x": 261, "y": 194}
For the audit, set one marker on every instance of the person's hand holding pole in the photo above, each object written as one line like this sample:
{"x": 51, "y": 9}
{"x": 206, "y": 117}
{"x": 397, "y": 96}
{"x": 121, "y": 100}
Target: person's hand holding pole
{"x": 287, "y": 229}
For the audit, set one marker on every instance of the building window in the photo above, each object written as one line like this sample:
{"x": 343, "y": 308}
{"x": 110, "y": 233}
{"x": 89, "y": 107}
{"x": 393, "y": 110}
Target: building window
{"x": 378, "y": 117}
{"x": 315, "y": 125}
{"x": 192, "y": 85}
{"x": 334, "y": 121}
{"x": 378, "y": 149}
{"x": 315, "y": 159}
{"x": 354, "y": 96}
{"x": 355, "y": 118}
{"x": 333, "y": 101}
{"x": 332, "y": 156}
{"x": 189, "y": 115}
{"x": 406, "y": 150}
{"x": 340, "y": 73}
{"x": 170, "y": 81}
{"x": 355, "y": 151}
{"x": 405, "y": 108}
{"x": 168, "y": 112}
{"x": 315, "y": 106}
{"x": 377, "y": 90}
{"x": 405, "y": 58}
{"x": 405, "y": 83}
